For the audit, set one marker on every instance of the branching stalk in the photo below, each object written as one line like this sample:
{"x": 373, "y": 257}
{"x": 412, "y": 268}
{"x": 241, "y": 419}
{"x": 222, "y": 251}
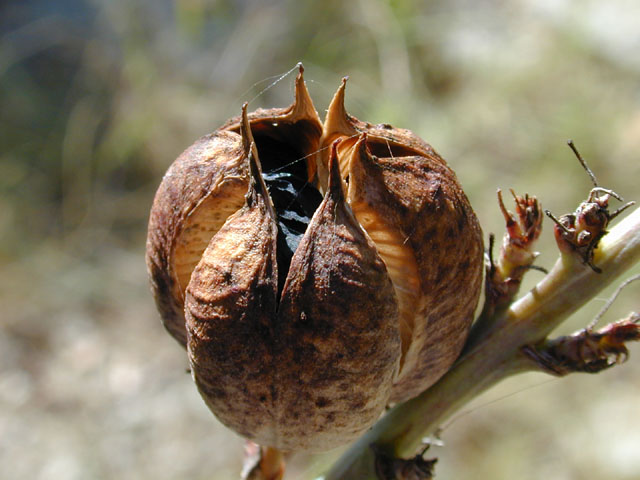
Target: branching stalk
{"x": 494, "y": 350}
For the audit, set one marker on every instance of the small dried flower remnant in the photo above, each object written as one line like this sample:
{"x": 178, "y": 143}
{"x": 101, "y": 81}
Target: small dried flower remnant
{"x": 580, "y": 232}
{"x": 313, "y": 272}
{"x": 587, "y": 350}
{"x": 517, "y": 254}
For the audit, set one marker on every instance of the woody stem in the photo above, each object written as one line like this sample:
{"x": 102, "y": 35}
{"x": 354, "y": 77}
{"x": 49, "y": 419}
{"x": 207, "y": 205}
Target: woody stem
{"x": 493, "y": 351}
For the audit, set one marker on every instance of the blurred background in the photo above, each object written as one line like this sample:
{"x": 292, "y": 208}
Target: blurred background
{"x": 98, "y": 97}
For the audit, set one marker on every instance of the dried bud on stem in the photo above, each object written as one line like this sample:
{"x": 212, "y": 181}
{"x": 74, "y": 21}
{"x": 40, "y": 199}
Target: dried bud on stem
{"x": 586, "y": 350}
{"x": 503, "y": 278}
{"x": 580, "y": 232}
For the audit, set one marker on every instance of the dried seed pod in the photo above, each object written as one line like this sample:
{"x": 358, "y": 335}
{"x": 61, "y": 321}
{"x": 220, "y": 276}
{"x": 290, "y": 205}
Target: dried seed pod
{"x": 314, "y": 273}
{"x": 411, "y": 204}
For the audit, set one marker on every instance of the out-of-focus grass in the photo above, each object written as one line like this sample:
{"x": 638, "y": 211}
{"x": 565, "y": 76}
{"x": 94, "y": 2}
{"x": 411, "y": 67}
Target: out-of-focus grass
{"x": 96, "y": 100}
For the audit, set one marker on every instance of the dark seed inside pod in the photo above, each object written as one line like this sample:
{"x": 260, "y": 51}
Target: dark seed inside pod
{"x": 295, "y": 200}
{"x": 283, "y": 153}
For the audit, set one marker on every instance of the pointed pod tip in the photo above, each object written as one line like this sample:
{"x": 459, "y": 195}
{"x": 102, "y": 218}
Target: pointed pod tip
{"x": 362, "y": 148}
{"x": 362, "y": 140}
{"x": 334, "y": 149}
{"x": 245, "y": 130}
{"x": 257, "y": 186}
{"x": 340, "y": 93}
{"x": 300, "y": 76}
{"x": 337, "y": 119}
{"x": 244, "y": 115}
{"x": 302, "y": 107}
{"x": 244, "y": 120}
{"x": 363, "y": 169}
{"x": 250, "y": 148}
{"x": 335, "y": 180}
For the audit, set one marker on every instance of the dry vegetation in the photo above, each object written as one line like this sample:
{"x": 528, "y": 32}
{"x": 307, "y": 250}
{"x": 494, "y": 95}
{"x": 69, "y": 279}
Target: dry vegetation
{"x": 98, "y": 97}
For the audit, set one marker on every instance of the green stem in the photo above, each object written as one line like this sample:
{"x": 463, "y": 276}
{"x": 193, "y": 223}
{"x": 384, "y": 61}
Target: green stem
{"x": 493, "y": 351}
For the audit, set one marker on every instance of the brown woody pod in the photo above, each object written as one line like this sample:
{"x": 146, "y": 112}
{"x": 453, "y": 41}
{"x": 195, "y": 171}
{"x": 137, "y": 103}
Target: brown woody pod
{"x": 412, "y": 206}
{"x": 314, "y": 273}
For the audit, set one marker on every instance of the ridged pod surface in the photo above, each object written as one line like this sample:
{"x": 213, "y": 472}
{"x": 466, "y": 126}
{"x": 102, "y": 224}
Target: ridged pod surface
{"x": 315, "y": 273}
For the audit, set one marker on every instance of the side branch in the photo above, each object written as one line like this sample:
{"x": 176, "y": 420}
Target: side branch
{"x": 586, "y": 351}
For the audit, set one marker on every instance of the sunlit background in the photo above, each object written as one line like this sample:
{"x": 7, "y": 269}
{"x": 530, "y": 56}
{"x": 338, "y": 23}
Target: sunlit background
{"x": 98, "y": 97}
